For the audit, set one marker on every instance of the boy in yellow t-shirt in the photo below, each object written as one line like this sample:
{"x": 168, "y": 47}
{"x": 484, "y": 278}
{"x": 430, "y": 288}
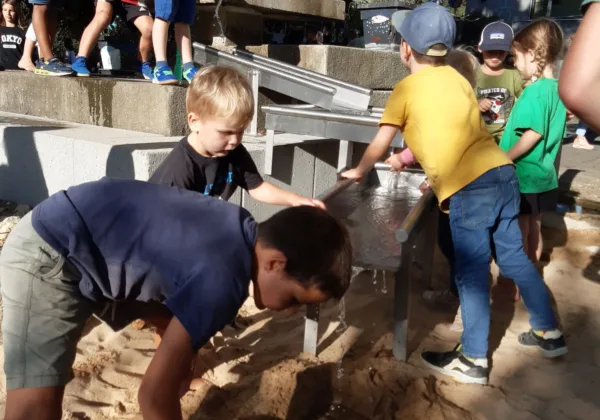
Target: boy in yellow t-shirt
{"x": 437, "y": 111}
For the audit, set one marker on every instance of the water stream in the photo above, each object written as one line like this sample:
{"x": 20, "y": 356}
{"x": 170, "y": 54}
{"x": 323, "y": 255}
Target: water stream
{"x": 219, "y": 18}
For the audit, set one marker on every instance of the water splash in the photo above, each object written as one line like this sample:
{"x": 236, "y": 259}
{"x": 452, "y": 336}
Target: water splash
{"x": 355, "y": 272}
{"x": 384, "y": 288}
{"x": 375, "y": 277}
{"x": 393, "y": 180}
{"x": 219, "y": 18}
{"x": 342, "y": 325}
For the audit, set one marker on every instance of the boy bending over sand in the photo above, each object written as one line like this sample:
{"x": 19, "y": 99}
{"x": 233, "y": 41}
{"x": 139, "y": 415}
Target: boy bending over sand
{"x": 123, "y": 250}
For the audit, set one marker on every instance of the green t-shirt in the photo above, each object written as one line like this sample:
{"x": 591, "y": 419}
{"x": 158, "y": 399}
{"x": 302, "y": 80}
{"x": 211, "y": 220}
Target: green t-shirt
{"x": 503, "y": 91}
{"x": 539, "y": 109}
{"x": 586, "y": 3}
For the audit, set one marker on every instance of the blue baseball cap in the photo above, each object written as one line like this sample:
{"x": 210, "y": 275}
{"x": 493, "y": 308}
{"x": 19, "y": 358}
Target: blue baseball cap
{"x": 497, "y": 36}
{"x": 426, "y": 26}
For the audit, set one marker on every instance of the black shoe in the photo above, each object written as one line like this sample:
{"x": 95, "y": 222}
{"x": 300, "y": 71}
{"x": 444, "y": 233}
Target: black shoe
{"x": 549, "y": 345}
{"x": 454, "y": 364}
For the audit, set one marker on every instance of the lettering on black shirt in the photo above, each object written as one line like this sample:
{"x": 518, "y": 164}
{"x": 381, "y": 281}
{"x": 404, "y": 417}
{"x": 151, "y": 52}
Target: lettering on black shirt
{"x": 12, "y": 42}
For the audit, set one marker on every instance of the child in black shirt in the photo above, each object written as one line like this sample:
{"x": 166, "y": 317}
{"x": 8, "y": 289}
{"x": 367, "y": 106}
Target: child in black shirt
{"x": 12, "y": 35}
{"x": 211, "y": 160}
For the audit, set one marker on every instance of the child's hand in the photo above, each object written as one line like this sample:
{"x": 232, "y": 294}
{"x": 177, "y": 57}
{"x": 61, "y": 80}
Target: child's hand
{"x": 570, "y": 115}
{"x": 396, "y": 162}
{"x": 353, "y": 174}
{"x": 304, "y": 201}
{"x": 485, "y": 104}
{"x": 424, "y": 186}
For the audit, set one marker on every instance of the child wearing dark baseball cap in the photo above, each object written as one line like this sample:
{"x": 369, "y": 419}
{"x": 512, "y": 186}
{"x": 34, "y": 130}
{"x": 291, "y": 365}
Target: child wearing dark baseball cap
{"x": 497, "y": 86}
{"x": 475, "y": 182}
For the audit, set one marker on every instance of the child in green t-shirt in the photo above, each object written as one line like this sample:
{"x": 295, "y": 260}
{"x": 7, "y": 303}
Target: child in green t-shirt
{"x": 536, "y": 127}
{"x": 497, "y": 87}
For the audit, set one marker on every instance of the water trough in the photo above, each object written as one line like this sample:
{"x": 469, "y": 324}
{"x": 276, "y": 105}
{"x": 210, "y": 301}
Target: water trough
{"x": 390, "y": 222}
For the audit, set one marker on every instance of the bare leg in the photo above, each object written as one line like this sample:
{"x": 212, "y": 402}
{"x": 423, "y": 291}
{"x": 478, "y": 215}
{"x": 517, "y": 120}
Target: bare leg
{"x": 160, "y": 32}
{"x": 100, "y": 22}
{"x": 535, "y": 244}
{"x": 42, "y": 28}
{"x": 34, "y": 403}
{"x": 183, "y": 38}
{"x": 25, "y": 62}
{"x": 144, "y": 25}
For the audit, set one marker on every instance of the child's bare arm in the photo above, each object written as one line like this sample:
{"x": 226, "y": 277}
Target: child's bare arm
{"x": 170, "y": 366}
{"x": 527, "y": 141}
{"x": 579, "y": 84}
{"x": 271, "y": 194}
{"x": 376, "y": 149}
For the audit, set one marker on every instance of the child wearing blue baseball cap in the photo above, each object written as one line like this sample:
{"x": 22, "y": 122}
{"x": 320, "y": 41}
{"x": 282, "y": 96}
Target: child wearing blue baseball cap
{"x": 474, "y": 181}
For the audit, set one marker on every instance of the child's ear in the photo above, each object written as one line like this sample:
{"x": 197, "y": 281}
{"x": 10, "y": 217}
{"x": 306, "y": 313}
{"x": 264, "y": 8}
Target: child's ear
{"x": 193, "y": 121}
{"x": 274, "y": 260}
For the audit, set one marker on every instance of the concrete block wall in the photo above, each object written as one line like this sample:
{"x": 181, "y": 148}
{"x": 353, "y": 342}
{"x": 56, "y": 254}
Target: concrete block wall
{"x": 41, "y": 157}
{"x": 130, "y": 105}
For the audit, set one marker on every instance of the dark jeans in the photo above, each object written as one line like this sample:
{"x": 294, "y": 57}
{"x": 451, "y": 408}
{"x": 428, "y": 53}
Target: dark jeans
{"x": 446, "y": 246}
{"x": 484, "y": 212}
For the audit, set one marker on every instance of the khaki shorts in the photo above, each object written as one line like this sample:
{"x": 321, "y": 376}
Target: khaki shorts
{"x": 45, "y": 313}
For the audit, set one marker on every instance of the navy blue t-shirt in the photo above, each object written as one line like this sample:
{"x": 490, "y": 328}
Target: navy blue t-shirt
{"x": 133, "y": 240}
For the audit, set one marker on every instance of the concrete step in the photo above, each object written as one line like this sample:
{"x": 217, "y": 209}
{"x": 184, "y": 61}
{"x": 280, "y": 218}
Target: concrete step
{"x": 39, "y": 157}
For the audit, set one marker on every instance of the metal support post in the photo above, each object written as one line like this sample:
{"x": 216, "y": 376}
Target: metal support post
{"x": 269, "y": 150}
{"x": 254, "y": 76}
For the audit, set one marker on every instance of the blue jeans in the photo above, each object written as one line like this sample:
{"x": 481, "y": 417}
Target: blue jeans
{"x": 485, "y": 214}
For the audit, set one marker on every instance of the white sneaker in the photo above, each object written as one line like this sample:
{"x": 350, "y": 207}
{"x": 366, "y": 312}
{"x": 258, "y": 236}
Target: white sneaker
{"x": 443, "y": 297}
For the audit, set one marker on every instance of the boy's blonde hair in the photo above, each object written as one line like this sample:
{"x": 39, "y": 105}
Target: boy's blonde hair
{"x": 221, "y": 92}
{"x": 464, "y": 62}
{"x": 545, "y": 38}
{"x": 432, "y": 60}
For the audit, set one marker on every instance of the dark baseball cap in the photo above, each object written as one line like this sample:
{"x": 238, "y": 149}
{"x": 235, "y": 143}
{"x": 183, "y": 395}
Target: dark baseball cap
{"x": 497, "y": 36}
{"x": 426, "y": 26}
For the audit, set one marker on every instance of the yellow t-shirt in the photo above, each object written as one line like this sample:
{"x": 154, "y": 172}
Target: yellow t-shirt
{"x": 439, "y": 117}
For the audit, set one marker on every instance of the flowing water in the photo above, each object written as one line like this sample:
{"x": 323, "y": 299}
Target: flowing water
{"x": 218, "y": 18}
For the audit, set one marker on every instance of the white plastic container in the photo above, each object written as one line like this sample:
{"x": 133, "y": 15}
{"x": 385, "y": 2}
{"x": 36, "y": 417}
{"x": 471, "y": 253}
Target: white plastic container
{"x": 111, "y": 58}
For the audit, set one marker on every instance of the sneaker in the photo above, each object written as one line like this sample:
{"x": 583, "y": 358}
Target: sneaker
{"x": 190, "y": 73}
{"x": 581, "y": 142}
{"x": 440, "y": 297}
{"x": 147, "y": 70}
{"x": 455, "y": 364}
{"x": 164, "y": 76}
{"x": 549, "y": 343}
{"x": 52, "y": 67}
{"x": 457, "y": 325}
{"x": 79, "y": 66}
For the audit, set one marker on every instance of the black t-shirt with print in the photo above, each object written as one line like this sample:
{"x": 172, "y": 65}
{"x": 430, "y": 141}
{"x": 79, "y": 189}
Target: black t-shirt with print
{"x": 185, "y": 168}
{"x": 12, "y": 42}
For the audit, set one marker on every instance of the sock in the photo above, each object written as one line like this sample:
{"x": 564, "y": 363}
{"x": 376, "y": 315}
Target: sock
{"x": 187, "y": 66}
{"x": 548, "y": 335}
{"x": 162, "y": 63}
{"x": 477, "y": 362}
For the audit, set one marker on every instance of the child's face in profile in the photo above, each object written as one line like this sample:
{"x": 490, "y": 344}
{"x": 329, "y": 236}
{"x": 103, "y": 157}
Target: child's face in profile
{"x": 217, "y": 136}
{"x": 275, "y": 289}
{"x": 494, "y": 59}
{"x": 525, "y": 63}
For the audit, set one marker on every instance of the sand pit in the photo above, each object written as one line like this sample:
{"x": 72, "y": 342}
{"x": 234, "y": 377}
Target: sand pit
{"x": 259, "y": 373}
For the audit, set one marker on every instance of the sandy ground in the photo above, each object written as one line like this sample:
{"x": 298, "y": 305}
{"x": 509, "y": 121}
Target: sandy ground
{"x": 259, "y": 373}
